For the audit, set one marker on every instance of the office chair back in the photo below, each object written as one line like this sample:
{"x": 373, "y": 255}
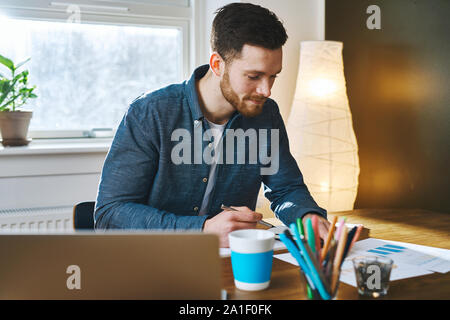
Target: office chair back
{"x": 83, "y": 216}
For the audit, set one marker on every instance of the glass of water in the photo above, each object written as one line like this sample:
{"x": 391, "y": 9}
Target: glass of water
{"x": 372, "y": 275}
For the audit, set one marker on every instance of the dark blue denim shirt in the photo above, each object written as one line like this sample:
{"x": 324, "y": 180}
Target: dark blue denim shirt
{"x": 142, "y": 188}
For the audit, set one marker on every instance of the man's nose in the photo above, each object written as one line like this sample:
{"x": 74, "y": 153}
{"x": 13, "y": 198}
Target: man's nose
{"x": 264, "y": 88}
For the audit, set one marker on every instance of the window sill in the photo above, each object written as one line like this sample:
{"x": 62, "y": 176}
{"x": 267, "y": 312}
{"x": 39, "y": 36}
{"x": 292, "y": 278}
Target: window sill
{"x": 59, "y": 146}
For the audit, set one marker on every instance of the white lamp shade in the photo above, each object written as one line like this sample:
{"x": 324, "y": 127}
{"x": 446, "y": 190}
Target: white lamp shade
{"x": 320, "y": 127}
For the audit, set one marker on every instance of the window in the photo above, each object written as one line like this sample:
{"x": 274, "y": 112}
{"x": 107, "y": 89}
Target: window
{"x": 90, "y": 61}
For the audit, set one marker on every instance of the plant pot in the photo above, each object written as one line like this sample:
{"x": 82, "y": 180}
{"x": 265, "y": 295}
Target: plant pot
{"x": 14, "y": 127}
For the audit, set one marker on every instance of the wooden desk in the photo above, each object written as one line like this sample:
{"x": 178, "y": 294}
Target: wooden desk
{"x": 413, "y": 226}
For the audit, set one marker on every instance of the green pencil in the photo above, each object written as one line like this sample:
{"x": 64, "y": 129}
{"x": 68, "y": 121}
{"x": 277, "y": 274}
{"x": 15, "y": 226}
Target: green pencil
{"x": 302, "y": 233}
{"x": 300, "y": 227}
{"x": 311, "y": 237}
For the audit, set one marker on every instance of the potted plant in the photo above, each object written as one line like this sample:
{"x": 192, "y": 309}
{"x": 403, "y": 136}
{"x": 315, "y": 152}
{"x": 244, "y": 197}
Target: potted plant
{"x": 14, "y": 93}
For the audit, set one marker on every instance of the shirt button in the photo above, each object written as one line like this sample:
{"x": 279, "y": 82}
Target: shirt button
{"x": 195, "y": 208}
{"x": 205, "y": 179}
{"x": 210, "y": 145}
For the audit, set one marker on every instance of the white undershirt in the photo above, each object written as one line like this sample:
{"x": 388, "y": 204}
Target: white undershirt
{"x": 217, "y": 131}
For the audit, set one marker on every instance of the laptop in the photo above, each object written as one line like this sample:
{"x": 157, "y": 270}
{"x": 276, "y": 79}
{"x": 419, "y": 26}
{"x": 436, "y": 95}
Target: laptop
{"x": 89, "y": 265}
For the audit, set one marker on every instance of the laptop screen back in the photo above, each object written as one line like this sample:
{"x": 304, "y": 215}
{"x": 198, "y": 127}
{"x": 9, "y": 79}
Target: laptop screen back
{"x": 110, "y": 266}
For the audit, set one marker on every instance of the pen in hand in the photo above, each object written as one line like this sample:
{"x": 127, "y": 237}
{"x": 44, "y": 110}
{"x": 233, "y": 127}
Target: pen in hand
{"x": 268, "y": 225}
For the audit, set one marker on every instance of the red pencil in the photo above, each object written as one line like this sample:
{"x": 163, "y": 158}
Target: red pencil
{"x": 315, "y": 224}
{"x": 355, "y": 238}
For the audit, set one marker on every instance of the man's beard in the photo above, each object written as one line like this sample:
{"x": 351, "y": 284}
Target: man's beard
{"x": 245, "y": 107}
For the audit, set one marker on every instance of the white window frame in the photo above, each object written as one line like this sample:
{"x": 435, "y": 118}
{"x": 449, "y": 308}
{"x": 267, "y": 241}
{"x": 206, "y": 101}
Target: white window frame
{"x": 158, "y": 13}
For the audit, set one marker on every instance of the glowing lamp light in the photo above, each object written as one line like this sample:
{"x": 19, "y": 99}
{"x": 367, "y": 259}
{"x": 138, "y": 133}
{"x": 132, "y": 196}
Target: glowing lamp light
{"x": 320, "y": 127}
{"x": 322, "y": 87}
{"x": 324, "y": 186}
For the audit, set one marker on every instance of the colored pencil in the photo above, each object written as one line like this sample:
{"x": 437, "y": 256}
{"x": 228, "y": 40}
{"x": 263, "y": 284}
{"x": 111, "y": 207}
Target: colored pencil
{"x": 329, "y": 237}
{"x": 311, "y": 236}
{"x": 338, "y": 231}
{"x": 316, "y": 266}
{"x": 338, "y": 258}
{"x": 302, "y": 232}
{"x": 316, "y": 275}
{"x": 292, "y": 247}
{"x": 329, "y": 265}
{"x": 350, "y": 236}
{"x": 300, "y": 226}
{"x": 315, "y": 224}
{"x": 355, "y": 238}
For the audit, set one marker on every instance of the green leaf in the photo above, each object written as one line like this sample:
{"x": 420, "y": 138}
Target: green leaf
{"x": 14, "y": 92}
{"x": 7, "y": 62}
{"x": 23, "y": 74}
{"x": 3, "y": 85}
{"x": 5, "y": 90}
{"x": 16, "y": 78}
{"x": 10, "y": 101}
{"x": 22, "y": 63}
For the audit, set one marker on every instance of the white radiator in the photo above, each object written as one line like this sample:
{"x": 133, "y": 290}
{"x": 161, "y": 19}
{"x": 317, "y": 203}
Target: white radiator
{"x": 37, "y": 219}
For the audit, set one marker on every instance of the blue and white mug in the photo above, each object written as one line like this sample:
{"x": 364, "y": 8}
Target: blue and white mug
{"x": 251, "y": 258}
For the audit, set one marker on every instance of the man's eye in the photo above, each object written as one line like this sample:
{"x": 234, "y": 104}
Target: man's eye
{"x": 253, "y": 78}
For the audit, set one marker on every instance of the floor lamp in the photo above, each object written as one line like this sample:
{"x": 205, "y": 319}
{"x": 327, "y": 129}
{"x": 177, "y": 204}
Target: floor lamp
{"x": 320, "y": 127}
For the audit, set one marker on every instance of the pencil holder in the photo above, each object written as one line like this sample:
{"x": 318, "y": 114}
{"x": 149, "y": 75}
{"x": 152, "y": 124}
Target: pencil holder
{"x": 313, "y": 294}
{"x": 320, "y": 270}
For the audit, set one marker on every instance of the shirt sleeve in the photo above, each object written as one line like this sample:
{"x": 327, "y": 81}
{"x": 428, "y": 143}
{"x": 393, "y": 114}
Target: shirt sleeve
{"x": 285, "y": 189}
{"x": 127, "y": 176}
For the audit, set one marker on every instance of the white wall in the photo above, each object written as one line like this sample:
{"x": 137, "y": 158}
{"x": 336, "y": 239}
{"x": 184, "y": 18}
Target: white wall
{"x": 37, "y": 177}
{"x": 203, "y": 24}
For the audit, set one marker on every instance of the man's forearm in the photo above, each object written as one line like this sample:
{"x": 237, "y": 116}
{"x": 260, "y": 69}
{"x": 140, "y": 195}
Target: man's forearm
{"x": 130, "y": 215}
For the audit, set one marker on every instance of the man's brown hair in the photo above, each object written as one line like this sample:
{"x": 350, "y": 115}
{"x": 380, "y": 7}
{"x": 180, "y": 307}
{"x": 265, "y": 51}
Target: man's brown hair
{"x": 237, "y": 24}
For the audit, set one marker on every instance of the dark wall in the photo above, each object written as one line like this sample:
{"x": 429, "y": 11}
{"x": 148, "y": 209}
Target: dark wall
{"x": 398, "y": 81}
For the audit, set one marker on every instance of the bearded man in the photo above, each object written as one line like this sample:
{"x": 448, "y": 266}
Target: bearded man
{"x": 150, "y": 182}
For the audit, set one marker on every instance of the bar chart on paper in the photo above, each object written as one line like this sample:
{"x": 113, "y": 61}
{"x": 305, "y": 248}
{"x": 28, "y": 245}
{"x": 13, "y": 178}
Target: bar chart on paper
{"x": 387, "y": 249}
{"x": 406, "y": 254}
{"x": 410, "y": 260}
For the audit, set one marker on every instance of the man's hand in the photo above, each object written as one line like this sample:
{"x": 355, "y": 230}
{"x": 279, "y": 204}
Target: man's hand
{"x": 227, "y": 221}
{"x": 323, "y": 225}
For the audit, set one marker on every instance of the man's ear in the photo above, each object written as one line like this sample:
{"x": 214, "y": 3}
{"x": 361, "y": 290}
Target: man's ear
{"x": 217, "y": 64}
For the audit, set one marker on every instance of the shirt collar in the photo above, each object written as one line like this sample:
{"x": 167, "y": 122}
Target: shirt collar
{"x": 191, "y": 91}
